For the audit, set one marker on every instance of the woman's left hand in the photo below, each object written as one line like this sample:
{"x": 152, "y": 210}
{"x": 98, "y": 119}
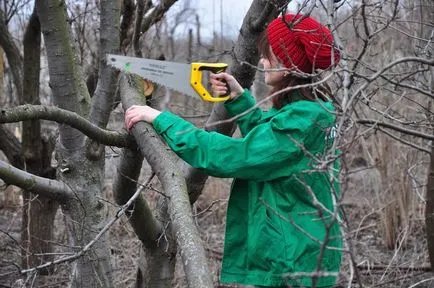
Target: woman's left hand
{"x": 137, "y": 113}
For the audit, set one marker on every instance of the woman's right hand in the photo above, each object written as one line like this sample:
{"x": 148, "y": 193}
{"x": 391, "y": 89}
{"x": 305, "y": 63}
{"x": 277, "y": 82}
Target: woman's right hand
{"x": 218, "y": 85}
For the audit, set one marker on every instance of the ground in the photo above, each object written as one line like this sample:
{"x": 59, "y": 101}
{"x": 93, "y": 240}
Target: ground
{"x": 405, "y": 264}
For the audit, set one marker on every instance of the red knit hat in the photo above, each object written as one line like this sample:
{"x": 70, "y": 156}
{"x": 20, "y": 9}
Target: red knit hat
{"x": 306, "y": 46}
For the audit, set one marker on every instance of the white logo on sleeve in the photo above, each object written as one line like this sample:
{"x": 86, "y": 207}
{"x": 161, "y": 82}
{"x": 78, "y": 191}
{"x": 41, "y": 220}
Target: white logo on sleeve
{"x": 331, "y": 133}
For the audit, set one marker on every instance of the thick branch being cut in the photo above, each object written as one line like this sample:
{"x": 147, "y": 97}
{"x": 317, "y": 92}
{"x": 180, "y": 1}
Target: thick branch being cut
{"x": 46, "y": 187}
{"x": 32, "y": 112}
{"x": 163, "y": 162}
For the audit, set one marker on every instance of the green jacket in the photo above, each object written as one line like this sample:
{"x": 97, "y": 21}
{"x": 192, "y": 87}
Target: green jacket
{"x": 273, "y": 227}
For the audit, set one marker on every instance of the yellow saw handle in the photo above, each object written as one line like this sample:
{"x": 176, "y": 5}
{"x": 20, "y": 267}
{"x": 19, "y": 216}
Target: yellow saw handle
{"x": 196, "y": 79}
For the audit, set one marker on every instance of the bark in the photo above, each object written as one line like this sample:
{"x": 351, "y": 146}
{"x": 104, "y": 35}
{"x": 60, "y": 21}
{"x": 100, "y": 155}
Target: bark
{"x": 245, "y": 51}
{"x": 156, "y": 263}
{"x": 163, "y": 163}
{"x": 156, "y": 266}
{"x": 85, "y": 214}
{"x": 429, "y": 206}
{"x": 429, "y": 210}
{"x": 38, "y": 213}
{"x": 11, "y": 147}
{"x": 13, "y": 55}
{"x": 142, "y": 220}
{"x": 102, "y": 100}
{"x": 2, "y": 76}
{"x": 32, "y": 141}
{"x": 66, "y": 78}
{"x": 157, "y": 14}
{"x": 52, "y": 189}
{"x": 34, "y": 112}
{"x": 127, "y": 21}
{"x": 142, "y": 8}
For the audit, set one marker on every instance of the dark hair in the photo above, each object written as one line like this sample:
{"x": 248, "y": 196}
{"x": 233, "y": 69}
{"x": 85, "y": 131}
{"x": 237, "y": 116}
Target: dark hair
{"x": 322, "y": 91}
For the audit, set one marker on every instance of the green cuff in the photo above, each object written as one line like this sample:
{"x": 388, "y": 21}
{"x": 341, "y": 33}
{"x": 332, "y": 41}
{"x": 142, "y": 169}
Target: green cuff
{"x": 240, "y": 104}
{"x": 164, "y": 121}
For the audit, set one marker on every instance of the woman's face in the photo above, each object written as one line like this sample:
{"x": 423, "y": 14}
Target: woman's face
{"x": 272, "y": 78}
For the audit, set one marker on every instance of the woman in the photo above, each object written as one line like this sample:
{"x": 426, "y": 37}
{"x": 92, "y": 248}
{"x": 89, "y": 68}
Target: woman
{"x": 280, "y": 228}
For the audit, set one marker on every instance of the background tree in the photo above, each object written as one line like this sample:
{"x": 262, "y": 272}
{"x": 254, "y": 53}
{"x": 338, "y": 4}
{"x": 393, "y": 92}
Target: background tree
{"x": 383, "y": 88}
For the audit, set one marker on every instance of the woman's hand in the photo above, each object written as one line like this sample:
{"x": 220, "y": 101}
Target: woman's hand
{"x": 218, "y": 85}
{"x": 137, "y": 113}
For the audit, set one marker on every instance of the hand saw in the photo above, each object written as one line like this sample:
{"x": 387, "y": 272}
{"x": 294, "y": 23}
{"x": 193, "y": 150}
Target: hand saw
{"x": 184, "y": 78}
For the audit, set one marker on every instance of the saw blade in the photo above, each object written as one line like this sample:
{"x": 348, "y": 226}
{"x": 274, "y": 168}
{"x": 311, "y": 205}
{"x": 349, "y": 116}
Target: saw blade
{"x": 175, "y": 76}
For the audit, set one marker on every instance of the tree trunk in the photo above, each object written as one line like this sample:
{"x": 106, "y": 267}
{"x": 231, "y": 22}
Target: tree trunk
{"x": 15, "y": 60}
{"x": 38, "y": 211}
{"x": 11, "y": 147}
{"x": 426, "y": 15}
{"x": 157, "y": 263}
{"x": 429, "y": 210}
{"x": 86, "y": 214}
{"x": 429, "y": 206}
{"x": 102, "y": 100}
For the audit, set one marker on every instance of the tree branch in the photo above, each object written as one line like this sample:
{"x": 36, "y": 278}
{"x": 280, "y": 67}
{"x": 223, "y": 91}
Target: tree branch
{"x": 396, "y": 128}
{"x": 11, "y": 147}
{"x": 66, "y": 78}
{"x": 156, "y": 14}
{"x": 142, "y": 8}
{"x": 103, "y": 98}
{"x": 32, "y": 112}
{"x": 122, "y": 210}
{"x": 142, "y": 220}
{"x": 127, "y": 13}
{"x": 13, "y": 54}
{"x": 380, "y": 72}
{"x": 45, "y": 187}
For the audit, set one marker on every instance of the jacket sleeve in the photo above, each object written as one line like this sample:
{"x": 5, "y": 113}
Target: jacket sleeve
{"x": 243, "y": 105}
{"x": 267, "y": 152}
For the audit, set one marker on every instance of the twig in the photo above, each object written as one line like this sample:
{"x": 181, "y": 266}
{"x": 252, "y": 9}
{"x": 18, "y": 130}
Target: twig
{"x": 408, "y": 143}
{"x": 420, "y": 282}
{"x": 208, "y": 208}
{"x": 120, "y": 212}
{"x": 396, "y": 128}
{"x": 385, "y": 267}
{"x": 310, "y": 274}
{"x": 395, "y": 279}
{"x": 36, "y": 112}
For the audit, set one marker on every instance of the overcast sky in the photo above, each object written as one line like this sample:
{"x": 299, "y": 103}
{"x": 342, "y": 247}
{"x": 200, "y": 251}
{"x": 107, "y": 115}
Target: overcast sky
{"x": 233, "y": 14}
{"x": 210, "y": 14}
{"x": 211, "y": 11}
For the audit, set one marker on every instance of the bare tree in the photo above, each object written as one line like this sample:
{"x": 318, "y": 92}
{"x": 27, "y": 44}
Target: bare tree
{"x": 381, "y": 85}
